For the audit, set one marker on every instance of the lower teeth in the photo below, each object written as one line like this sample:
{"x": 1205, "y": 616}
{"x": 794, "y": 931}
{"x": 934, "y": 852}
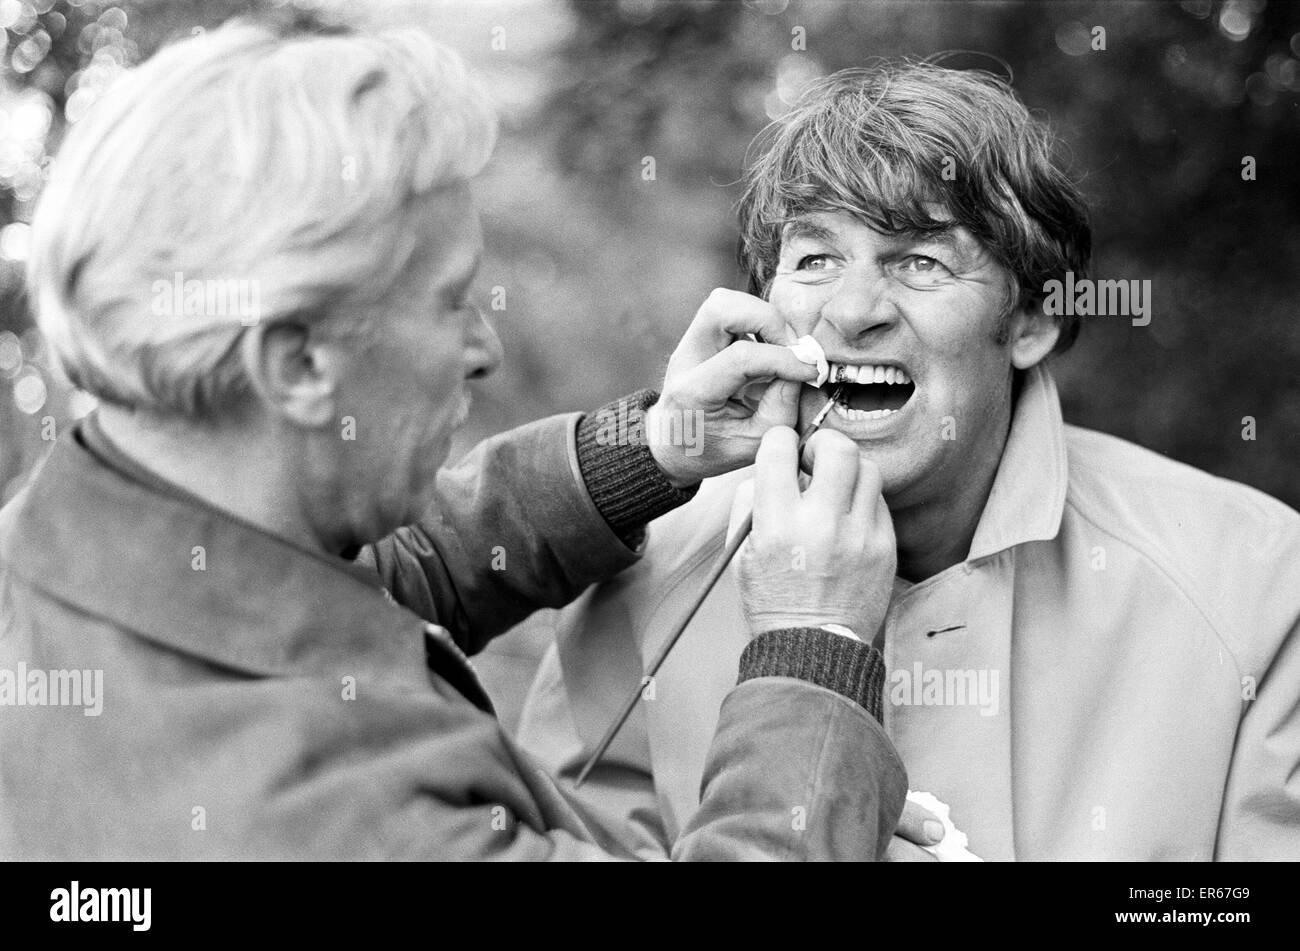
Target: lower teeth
{"x": 848, "y": 413}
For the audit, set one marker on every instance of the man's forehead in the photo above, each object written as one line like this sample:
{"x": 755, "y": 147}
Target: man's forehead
{"x": 839, "y": 225}
{"x": 444, "y": 263}
{"x": 452, "y": 251}
{"x": 451, "y": 241}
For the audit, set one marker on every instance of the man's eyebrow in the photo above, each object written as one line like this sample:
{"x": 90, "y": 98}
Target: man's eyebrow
{"x": 803, "y": 228}
{"x": 947, "y": 236}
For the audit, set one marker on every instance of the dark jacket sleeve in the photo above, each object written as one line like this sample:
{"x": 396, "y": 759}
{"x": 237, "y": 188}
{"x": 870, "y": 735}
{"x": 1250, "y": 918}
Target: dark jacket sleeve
{"x": 527, "y": 520}
{"x": 799, "y": 770}
{"x": 795, "y": 773}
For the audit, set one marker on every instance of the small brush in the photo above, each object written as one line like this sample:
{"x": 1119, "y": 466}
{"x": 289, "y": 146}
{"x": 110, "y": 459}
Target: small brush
{"x": 719, "y": 566}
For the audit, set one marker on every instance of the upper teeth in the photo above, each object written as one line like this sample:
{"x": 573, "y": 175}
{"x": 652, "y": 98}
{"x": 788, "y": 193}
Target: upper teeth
{"x": 868, "y": 373}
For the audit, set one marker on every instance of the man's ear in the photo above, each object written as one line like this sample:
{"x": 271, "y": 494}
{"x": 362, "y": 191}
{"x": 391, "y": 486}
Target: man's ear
{"x": 1033, "y": 335}
{"x": 293, "y": 371}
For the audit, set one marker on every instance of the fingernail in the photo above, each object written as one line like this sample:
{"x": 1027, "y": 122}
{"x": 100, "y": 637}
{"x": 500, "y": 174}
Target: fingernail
{"x": 933, "y": 830}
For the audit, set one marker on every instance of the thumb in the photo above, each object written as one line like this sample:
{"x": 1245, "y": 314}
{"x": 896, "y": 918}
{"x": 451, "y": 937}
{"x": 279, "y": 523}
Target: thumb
{"x": 779, "y": 405}
{"x": 778, "y": 332}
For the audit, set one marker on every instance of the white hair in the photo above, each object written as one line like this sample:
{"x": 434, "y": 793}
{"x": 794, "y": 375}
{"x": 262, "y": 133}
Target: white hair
{"x": 288, "y": 161}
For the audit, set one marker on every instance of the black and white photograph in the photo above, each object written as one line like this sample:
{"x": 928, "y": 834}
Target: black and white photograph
{"x": 687, "y": 430}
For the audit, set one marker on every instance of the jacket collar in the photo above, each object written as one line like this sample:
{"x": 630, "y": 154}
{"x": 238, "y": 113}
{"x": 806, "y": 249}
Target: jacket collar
{"x": 190, "y": 577}
{"x": 1028, "y": 495}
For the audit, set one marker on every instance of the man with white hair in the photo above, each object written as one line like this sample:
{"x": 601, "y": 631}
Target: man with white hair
{"x": 256, "y": 251}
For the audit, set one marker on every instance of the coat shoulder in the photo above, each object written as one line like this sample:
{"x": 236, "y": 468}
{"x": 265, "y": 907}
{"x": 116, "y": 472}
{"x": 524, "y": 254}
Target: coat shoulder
{"x": 1231, "y": 549}
{"x": 1109, "y": 474}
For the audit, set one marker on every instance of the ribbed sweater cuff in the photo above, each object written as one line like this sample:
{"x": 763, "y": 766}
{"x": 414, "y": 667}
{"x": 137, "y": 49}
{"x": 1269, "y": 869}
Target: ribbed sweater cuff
{"x": 851, "y": 668}
{"x": 624, "y": 480}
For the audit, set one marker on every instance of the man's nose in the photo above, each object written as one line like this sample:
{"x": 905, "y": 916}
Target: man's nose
{"x": 484, "y": 352}
{"x": 861, "y": 303}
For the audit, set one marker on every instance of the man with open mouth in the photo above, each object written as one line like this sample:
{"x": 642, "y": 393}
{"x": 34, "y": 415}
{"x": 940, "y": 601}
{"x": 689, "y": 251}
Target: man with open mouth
{"x": 1090, "y": 647}
{"x": 255, "y": 547}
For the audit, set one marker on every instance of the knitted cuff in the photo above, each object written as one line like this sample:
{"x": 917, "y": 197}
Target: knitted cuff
{"x": 851, "y": 668}
{"x": 622, "y": 477}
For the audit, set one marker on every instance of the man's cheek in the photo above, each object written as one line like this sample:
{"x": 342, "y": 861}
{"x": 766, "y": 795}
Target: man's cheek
{"x": 798, "y": 305}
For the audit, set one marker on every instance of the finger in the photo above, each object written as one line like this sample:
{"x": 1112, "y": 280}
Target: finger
{"x": 779, "y": 405}
{"x": 920, "y": 825}
{"x": 726, "y": 374}
{"x": 751, "y": 394}
{"x": 775, "y": 329}
{"x": 900, "y": 850}
{"x": 776, "y": 489}
{"x": 726, "y": 315}
{"x": 866, "y": 493}
{"x": 833, "y": 459}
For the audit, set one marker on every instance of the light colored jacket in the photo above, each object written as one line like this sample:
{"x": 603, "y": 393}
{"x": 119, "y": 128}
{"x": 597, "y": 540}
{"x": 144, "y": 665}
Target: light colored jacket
{"x": 1112, "y": 673}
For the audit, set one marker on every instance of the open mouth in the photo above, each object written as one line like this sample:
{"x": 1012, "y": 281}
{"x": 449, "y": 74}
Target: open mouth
{"x": 871, "y": 390}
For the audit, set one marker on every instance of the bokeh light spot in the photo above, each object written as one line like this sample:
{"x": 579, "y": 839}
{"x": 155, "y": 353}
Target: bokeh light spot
{"x": 10, "y": 12}
{"x": 1234, "y": 21}
{"x": 11, "y": 354}
{"x": 1073, "y": 38}
{"x": 14, "y": 238}
{"x": 29, "y": 392}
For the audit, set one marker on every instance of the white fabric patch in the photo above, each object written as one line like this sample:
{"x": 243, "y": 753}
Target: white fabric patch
{"x": 953, "y": 847}
{"x": 808, "y": 350}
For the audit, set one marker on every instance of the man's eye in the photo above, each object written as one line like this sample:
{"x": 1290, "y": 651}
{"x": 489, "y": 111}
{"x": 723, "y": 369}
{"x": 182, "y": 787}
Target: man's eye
{"x": 921, "y": 270}
{"x": 921, "y": 264}
{"x": 813, "y": 262}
